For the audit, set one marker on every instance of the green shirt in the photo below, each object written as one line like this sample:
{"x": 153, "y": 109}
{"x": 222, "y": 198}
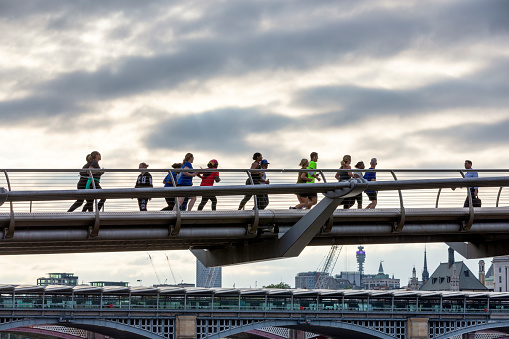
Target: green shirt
{"x": 312, "y": 165}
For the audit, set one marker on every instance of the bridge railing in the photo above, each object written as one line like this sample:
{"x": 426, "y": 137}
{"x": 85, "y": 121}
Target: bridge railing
{"x": 66, "y": 179}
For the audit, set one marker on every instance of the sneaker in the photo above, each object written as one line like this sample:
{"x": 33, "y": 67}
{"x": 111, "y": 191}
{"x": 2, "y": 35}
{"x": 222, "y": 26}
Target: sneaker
{"x": 292, "y": 208}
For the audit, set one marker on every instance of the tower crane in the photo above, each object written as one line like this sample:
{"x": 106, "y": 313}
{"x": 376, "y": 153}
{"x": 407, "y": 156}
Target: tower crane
{"x": 327, "y": 267}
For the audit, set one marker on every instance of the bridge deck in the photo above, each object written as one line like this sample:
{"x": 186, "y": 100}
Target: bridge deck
{"x": 123, "y": 231}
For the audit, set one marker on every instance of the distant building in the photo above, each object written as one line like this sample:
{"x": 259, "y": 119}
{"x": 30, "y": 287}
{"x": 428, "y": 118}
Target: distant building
{"x": 489, "y": 280}
{"x": 183, "y": 285}
{"x": 501, "y": 273}
{"x": 380, "y": 281}
{"x": 413, "y": 285}
{"x": 353, "y": 277}
{"x": 453, "y": 276}
{"x": 361, "y": 258}
{"x": 308, "y": 280}
{"x": 204, "y": 274}
{"x": 67, "y": 279}
{"x": 425, "y": 273}
{"x": 109, "y": 283}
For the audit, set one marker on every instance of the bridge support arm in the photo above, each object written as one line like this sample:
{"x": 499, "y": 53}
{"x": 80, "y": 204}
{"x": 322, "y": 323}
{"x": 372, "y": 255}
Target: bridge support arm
{"x": 481, "y": 250}
{"x": 289, "y": 245}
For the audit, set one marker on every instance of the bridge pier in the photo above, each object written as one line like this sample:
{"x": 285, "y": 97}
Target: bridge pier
{"x": 297, "y": 334}
{"x": 185, "y": 327}
{"x": 417, "y": 328}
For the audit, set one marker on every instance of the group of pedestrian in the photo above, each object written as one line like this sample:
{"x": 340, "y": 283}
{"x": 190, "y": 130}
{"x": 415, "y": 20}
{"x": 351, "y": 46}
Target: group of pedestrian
{"x": 90, "y": 178}
{"x": 308, "y": 175}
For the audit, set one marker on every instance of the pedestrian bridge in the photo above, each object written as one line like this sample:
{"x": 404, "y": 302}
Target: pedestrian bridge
{"x": 413, "y": 206}
{"x": 168, "y": 312}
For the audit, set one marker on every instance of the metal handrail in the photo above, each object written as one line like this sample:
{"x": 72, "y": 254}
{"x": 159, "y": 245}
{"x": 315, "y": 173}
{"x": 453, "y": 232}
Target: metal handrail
{"x": 401, "y": 222}
{"x": 94, "y": 232}
{"x": 254, "y": 227}
{"x": 175, "y": 230}
{"x": 28, "y": 187}
{"x": 9, "y": 232}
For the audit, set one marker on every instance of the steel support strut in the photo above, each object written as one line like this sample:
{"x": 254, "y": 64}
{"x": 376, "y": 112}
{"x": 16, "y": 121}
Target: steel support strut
{"x": 291, "y": 244}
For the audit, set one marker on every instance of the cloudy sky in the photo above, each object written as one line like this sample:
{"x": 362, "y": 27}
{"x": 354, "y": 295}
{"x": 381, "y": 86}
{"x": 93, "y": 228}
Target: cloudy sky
{"x": 416, "y": 84}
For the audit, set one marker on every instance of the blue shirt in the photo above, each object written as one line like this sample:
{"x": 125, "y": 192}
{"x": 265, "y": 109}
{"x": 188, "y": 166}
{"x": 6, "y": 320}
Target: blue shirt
{"x": 167, "y": 179}
{"x": 472, "y": 175}
{"x": 368, "y": 176}
{"x": 185, "y": 180}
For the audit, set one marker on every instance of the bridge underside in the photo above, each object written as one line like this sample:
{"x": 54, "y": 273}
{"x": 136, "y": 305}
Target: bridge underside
{"x": 37, "y": 233}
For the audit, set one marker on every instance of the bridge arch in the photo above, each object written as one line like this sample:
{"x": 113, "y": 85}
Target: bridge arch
{"x": 502, "y": 326}
{"x": 106, "y": 327}
{"x": 323, "y": 327}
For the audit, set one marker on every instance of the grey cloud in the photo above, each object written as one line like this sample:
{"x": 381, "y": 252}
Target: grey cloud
{"x": 471, "y": 137}
{"x": 229, "y": 129}
{"x": 238, "y": 46}
{"x": 485, "y": 89}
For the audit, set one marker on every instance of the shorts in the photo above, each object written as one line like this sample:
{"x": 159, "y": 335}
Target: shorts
{"x": 371, "y": 195}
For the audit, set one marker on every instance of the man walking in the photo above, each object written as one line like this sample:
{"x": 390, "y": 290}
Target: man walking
{"x": 313, "y": 197}
{"x": 471, "y": 190}
{"x": 371, "y": 176}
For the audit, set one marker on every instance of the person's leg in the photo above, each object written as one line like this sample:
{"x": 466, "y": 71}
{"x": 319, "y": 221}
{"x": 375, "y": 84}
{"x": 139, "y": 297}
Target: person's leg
{"x": 202, "y": 203}
{"x": 171, "y": 204}
{"x": 81, "y": 186}
{"x": 192, "y": 200}
{"x": 183, "y": 206}
{"x": 244, "y": 201}
{"x": 142, "y": 203}
{"x": 214, "y": 202}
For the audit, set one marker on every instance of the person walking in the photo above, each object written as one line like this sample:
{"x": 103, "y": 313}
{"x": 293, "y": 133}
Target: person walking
{"x": 473, "y": 191}
{"x": 82, "y": 183}
{"x": 358, "y": 197}
{"x": 312, "y": 176}
{"x": 95, "y": 157}
{"x": 208, "y": 179}
{"x": 171, "y": 177}
{"x": 257, "y": 157}
{"x": 345, "y": 176}
{"x": 371, "y": 176}
{"x": 263, "y": 199}
{"x": 302, "y": 178}
{"x": 186, "y": 179}
{"x": 144, "y": 180}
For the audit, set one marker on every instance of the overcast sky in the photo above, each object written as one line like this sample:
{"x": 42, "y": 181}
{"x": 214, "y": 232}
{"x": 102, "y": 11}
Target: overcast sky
{"x": 416, "y": 84}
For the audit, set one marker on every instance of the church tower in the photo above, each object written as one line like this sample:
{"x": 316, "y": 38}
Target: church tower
{"x": 425, "y": 273}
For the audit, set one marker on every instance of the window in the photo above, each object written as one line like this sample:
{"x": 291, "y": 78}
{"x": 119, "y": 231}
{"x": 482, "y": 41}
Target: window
{"x": 500, "y": 270}
{"x": 499, "y": 279}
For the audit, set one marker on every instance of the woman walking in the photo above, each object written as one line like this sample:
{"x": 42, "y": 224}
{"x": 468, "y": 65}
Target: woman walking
{"x": 257, "y": 157}
{"x": 208, "y": 179}
{"x": 186, "y": 179}
{"x": 302, "y": 178}
{"x": 96, "y": 179}
{"x": 82, "y": 183}
{"x": 345, "y": 176}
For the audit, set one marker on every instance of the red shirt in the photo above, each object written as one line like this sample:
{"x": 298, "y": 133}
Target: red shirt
{"x": 208, "y": 178}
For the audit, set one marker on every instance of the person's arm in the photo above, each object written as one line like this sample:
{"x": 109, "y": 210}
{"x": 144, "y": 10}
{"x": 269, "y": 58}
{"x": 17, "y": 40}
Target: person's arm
{"x": 304, "y": 176}
{"x": 337, "y": 176}
{"x": 187, "y": 173}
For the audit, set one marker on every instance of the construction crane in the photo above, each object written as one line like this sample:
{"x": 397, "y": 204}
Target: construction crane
{"x": 173, "y": 275}
{"x": 154, "y": 267}
{"x": 326, "y": 268}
